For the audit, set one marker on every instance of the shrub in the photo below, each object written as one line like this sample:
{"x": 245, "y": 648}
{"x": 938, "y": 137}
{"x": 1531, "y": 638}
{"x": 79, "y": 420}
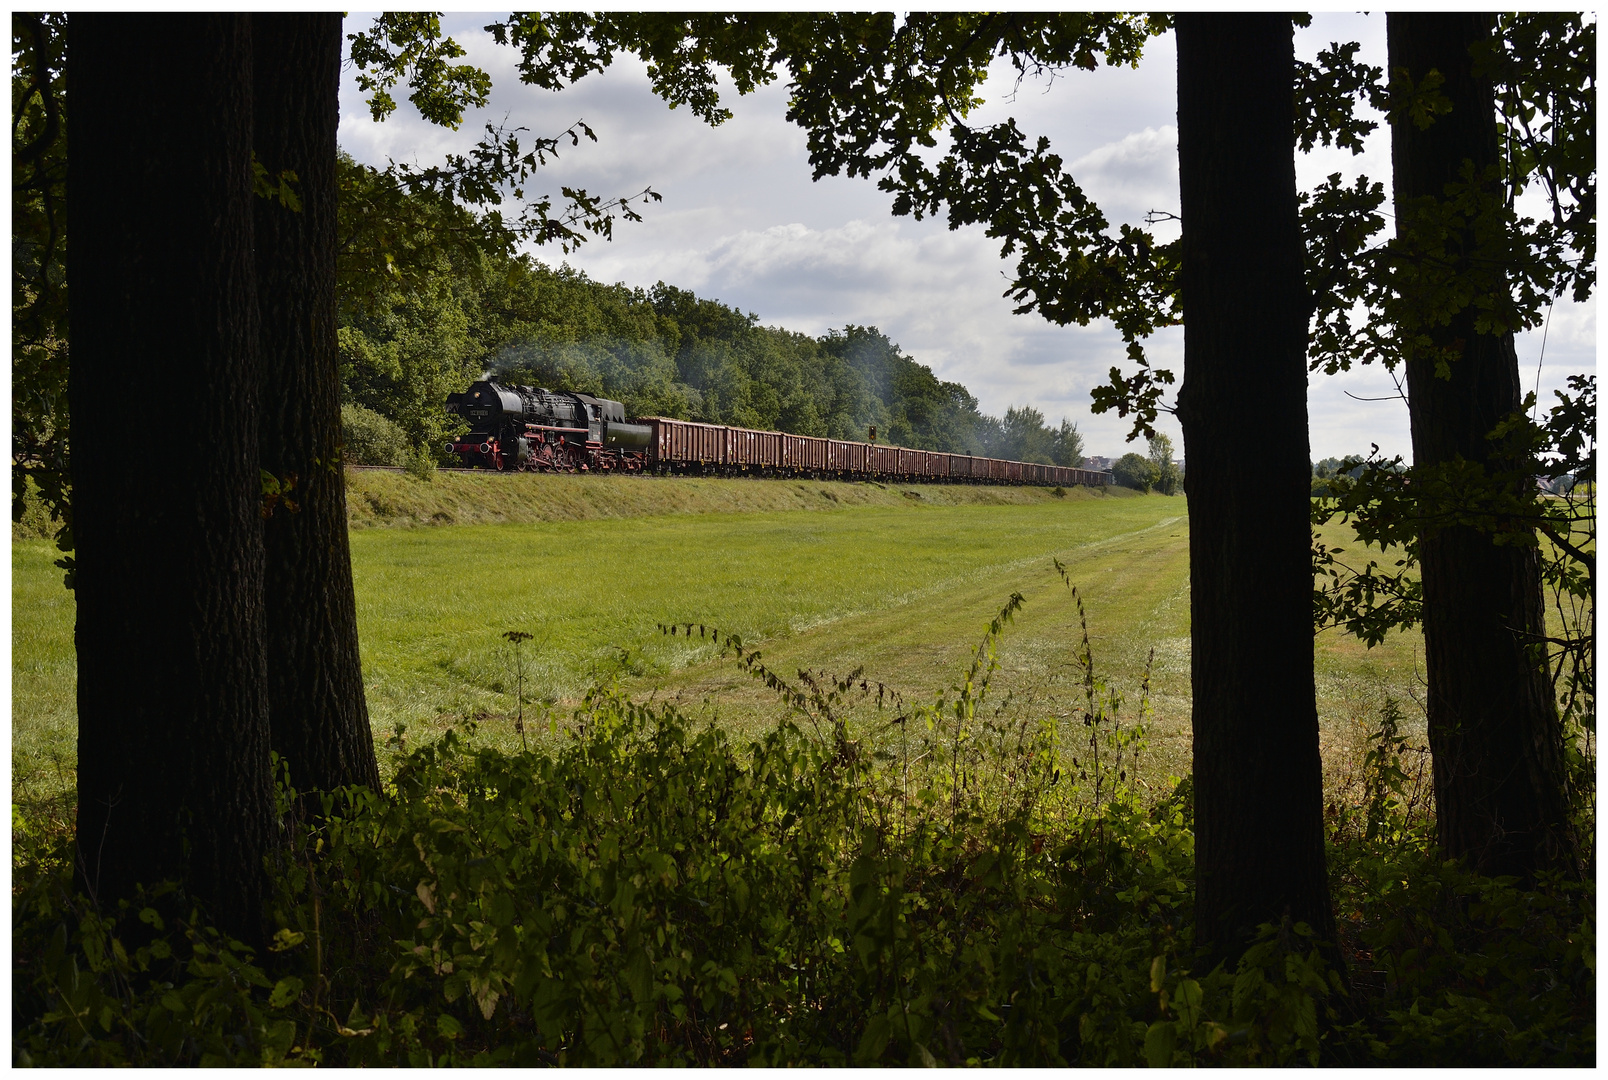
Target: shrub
{"x": 421, "y": 464}
{"x": 945, "y": 884}
{"x": 1135, "y": 471}
{"x": 371, "y": 439}
{"x": 30, "y": 518}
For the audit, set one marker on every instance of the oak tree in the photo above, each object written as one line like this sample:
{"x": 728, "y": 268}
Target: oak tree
{"x": 173, "y": 758}
{"x": 1493, "y": 724}
{"x": 318, "y": 717}
{"x": 1259, "y": 844}
{"x": 1480, "y": 108}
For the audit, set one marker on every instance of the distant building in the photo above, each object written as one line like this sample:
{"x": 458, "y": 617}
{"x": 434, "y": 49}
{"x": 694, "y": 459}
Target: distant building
{"x": 1097, "y": 464}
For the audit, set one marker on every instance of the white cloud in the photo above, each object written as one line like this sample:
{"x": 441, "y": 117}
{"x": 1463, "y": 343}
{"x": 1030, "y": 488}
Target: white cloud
{"x": 742, "y": 222}
{"x": 1133, "y": 176}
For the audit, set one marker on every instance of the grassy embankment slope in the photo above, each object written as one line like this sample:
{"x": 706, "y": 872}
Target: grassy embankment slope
{"x": 899, "y": 580}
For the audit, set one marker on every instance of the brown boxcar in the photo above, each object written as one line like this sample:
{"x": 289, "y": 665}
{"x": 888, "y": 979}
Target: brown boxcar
{"x": 853, "y": 458}
{"x": 685, "y": 442}
{"x": 752, "y": 450}
{"x": 804, "y": 453}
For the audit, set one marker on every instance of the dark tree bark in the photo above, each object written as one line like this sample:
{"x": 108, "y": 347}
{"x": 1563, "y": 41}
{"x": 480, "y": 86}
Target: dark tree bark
{"x": 1493, "y": 726}
{"x": 1258, "y": 777}
{"x": 173, "y": 777}
{"x": 318, "y": 716}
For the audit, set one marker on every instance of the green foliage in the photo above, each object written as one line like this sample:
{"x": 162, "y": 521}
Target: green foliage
{"x": 1331, "y": 467}
{"x": 873, "y": 93}
{"x": 1525, "y": 498}
{"x": 430, "y": 300}
{"x": 1023, "y": 436}
{"x": 1544, "y": 67}
{"x": 1461, "y": 969}
{"x": 949, "y": 885}
{"x": 1467, "y": 250}
{"x": 401, "y": 361}
{"x": 1168, "y": 477}
{"x": 1135, "y": 471}
{"x": 371, "y": 439}
{"x": 184, "y": 995}
{"x": 392, "y": 241}
{"x": 409, "y": 45}
{"x": 635, "y": 373}
{"x": 30, "y": 518}
{"x": 39, "y": 418}
{"x": 909, "y": 405}
{"x": 1326, "y": 95}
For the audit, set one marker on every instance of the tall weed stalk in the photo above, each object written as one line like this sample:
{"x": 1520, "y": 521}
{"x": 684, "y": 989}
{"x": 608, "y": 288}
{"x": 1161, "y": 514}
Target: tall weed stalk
{"x": 646, "y": 890}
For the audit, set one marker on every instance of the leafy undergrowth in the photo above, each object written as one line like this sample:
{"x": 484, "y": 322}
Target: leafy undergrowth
{"x": 656, "y": 893}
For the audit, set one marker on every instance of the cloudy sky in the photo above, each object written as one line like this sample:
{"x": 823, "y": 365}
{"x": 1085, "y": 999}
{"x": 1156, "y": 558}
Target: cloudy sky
{"x": 741, "y": 222}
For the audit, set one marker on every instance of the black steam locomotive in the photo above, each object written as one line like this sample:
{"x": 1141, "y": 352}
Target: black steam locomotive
{"x": 522, "y": 427}
{"x": 525, "y": 427}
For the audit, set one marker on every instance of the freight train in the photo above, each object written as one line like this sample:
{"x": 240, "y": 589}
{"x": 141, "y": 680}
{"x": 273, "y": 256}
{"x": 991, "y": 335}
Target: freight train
{"x": 528, "y": 428}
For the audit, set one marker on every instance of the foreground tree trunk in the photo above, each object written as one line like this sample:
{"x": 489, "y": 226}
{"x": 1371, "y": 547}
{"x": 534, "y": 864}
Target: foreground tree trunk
{"x": 173, "y": 777}
{"x": 1258, "y": 778}
{"x": 318, "y": 717}
{"x": 1493, "y": 726}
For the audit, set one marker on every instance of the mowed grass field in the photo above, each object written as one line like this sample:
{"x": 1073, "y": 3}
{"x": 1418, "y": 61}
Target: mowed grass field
{"x": 830, "y": 577}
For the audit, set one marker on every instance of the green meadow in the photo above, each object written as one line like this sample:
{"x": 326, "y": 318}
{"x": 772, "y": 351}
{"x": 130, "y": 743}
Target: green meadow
{"x": 898, "y": 583}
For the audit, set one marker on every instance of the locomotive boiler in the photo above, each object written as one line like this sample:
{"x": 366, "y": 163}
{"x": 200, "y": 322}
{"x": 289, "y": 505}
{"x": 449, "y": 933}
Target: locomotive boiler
{"x": 530, "y": 428}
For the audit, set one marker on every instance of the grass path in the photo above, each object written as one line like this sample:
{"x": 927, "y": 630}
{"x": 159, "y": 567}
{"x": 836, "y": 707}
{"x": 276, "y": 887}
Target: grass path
{"x": 593, "y": 593}
{"x": 901, "y": 586}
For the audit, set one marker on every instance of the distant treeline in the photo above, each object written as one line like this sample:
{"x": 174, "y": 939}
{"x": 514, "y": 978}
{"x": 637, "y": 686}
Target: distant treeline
{"x": 430, "y": 300}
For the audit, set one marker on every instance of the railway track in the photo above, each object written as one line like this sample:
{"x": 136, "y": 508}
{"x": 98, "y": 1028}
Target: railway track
{"x": 880, "y": 481}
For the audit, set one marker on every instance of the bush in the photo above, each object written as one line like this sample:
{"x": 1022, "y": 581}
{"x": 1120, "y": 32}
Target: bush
{"x": 30, "y": 518}
{"x": 1135, "y": 471}
{"x": 370, "y": 439}
{"x": 947, "y": 885}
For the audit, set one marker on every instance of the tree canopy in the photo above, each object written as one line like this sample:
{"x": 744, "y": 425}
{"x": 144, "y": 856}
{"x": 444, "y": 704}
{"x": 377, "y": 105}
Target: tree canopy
{"x": 430, "y": 300}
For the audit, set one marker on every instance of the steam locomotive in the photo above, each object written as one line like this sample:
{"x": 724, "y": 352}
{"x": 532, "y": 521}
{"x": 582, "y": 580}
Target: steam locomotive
{"x": 528, "y": 428}
{"x": 525, "y": 427}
